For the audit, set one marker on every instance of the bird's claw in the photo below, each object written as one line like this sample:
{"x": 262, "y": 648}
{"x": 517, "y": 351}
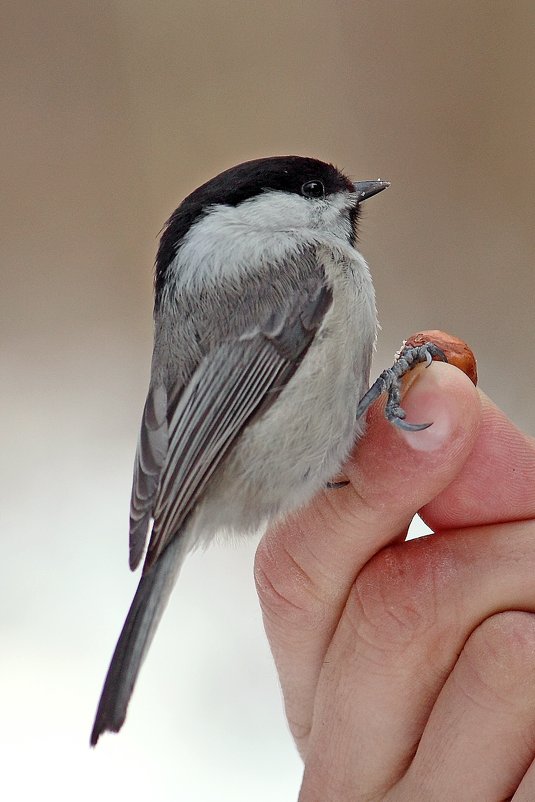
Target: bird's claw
{"x": 410, "y": 427}
{"x": 337, "y": 485}
{"x": 390, "y": 382}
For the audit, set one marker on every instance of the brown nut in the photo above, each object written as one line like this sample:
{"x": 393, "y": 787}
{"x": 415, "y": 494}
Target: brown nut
{"x": 457, "y": 351}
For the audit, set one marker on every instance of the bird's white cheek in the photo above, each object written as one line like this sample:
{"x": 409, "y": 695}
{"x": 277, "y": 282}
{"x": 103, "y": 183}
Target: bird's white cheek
{"x": 214, "y": 256}
{"x": 229, "y": 241}
{"x": 272, "y": 227}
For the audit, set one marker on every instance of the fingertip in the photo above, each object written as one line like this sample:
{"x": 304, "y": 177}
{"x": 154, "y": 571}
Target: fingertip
{"x": 495, "y": 483}
{"x": 389, "y": 465}
{"x": 444, "y": 396}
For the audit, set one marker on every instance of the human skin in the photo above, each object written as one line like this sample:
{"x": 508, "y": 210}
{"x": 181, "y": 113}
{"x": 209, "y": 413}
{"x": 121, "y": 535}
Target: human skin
{"x": 408, "y": 667}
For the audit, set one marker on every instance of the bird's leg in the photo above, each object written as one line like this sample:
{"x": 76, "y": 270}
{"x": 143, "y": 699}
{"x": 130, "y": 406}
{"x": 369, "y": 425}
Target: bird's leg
{"x": 390, "y": 382}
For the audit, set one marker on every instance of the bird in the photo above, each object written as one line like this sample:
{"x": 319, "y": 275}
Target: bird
{"x": 264, "y": 327}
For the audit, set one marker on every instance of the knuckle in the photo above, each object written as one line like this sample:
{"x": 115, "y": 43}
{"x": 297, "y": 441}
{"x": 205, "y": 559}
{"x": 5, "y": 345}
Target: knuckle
{"x": 395, "y": 600}
{"x": 300, "y": 731}
{"x": 345, "y": 512}
{"x": 499, "y": 659}
{"x": 287, "y": 593}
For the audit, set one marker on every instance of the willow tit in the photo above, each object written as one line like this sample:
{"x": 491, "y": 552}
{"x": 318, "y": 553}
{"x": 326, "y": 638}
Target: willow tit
{"x": 265, "y": 323}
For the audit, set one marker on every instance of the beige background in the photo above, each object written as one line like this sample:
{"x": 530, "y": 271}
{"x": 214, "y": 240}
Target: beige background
{"x": 112, "y": 111}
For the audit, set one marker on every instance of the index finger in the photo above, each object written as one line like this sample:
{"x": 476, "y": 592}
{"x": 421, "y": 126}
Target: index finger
{"x": 495, "y": 484}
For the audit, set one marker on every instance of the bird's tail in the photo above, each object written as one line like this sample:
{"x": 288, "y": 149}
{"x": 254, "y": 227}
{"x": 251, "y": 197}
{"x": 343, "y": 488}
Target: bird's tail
{"x": 145, "y": 612}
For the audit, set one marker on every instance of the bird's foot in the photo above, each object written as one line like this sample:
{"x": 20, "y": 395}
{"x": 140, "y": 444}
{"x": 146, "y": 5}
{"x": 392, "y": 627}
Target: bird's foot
{"x": 390, "y": 382}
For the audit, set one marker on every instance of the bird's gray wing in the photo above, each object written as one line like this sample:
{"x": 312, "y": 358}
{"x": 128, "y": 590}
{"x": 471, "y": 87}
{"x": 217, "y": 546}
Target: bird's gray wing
{"x": 150, "y": 457}
{"x": 233, "y": 383}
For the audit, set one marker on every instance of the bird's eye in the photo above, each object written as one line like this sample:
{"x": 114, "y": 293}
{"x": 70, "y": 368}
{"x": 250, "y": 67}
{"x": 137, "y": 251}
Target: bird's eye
{"x": 313, "y": 189}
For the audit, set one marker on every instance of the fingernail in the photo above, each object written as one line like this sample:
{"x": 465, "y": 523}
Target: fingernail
{"x": 424, "y": 402}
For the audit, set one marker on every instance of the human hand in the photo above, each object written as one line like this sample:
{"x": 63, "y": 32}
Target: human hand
{"x": 408, "y": 668}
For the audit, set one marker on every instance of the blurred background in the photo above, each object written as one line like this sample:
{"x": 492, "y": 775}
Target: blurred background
{"x": 112, "y": 112}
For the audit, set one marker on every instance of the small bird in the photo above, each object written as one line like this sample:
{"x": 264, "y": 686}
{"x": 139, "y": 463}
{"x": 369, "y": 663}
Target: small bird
{"x": 265, "y": 324}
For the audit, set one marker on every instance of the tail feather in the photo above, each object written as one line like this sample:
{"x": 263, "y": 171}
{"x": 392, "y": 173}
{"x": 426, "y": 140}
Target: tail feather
{"x": 145, "y": 612}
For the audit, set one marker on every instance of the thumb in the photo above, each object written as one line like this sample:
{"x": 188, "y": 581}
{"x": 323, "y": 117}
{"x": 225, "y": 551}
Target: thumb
{"x": 306, "y": 565}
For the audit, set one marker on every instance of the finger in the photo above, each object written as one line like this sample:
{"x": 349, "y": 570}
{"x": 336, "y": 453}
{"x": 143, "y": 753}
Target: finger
{"x": 480, "y": 738}
{"x": 526, "y": 790}
{"x": 495, "y": 483}
{"x": 408, "y": 616}
{"x": 305, "y": 567}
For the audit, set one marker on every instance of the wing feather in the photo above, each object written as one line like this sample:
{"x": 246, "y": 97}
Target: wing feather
{"x": 233, "y": 383}
{"x": 236, "y": 403}
{"x": 150, "y": 457}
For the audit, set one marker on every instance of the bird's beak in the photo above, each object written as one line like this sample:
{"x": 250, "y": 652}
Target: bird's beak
{"x": 366, "y": 189}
